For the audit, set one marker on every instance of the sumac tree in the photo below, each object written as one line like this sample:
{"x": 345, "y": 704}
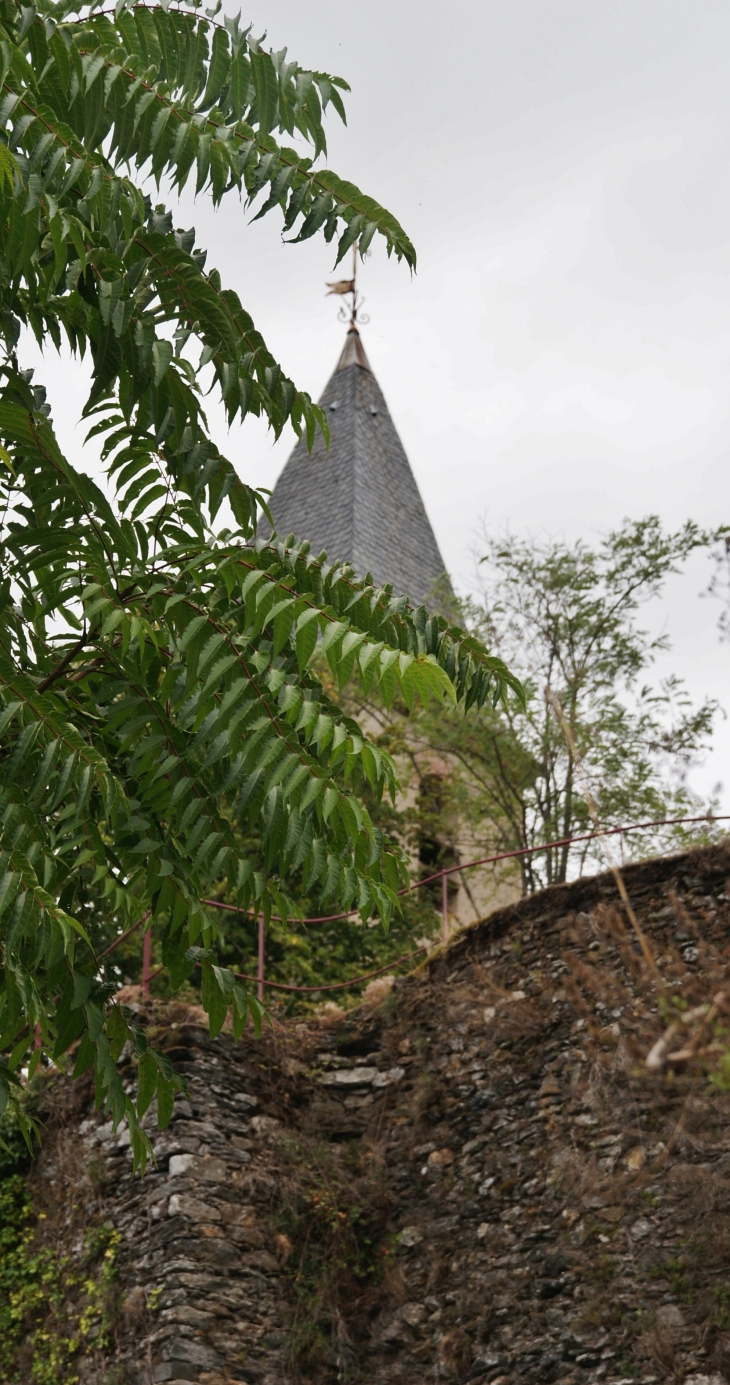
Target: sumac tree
{"x": 156, "y": 694}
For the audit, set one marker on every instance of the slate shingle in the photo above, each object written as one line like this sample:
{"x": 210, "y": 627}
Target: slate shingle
{"x": 359, "y": 501}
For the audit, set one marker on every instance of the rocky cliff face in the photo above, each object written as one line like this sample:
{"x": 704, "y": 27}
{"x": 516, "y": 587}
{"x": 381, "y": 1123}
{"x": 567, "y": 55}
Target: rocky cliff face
{"x": 478, "y": 1181}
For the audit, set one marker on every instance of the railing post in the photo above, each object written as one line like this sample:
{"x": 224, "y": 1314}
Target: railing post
{"x": 444, "y": 908}
{"x": 146, "y": 963}
{"x": 261, "y": 958}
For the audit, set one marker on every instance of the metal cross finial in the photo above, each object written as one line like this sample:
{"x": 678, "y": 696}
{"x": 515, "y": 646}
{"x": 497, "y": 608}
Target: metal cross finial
{"x": 349, "y": 286}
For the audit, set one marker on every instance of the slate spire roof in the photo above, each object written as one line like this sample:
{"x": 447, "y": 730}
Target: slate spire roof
{"x": 360, "y": 500}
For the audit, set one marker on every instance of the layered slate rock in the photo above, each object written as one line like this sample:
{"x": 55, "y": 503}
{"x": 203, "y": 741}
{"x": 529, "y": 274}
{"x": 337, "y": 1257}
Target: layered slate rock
{"x": 359, "y": 500}
{"x": 506, "y": 1195}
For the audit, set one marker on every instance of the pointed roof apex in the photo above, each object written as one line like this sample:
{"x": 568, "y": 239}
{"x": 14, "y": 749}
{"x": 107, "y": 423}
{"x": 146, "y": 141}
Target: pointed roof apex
{"x": 357, "y": 498}
{"x": 353, "y": 352}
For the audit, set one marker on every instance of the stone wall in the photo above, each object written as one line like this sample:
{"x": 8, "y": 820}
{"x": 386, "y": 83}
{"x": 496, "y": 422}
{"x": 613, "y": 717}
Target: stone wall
{"x": 479, "y": 1181}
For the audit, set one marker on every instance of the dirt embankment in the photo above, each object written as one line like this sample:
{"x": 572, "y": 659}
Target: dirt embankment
{"x": 480, "y": 1181}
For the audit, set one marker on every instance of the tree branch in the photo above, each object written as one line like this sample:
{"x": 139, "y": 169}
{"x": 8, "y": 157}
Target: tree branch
{"x": 60, "y": 669}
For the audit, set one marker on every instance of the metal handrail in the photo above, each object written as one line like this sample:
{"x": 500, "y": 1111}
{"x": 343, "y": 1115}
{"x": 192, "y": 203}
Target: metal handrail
{"x": 441, "y": 875}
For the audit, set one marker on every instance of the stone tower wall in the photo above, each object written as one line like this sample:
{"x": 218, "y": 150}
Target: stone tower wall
{"x": 478, "y": 1182}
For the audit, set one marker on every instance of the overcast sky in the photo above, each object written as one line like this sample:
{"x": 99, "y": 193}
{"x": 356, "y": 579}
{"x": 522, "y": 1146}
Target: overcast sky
{"x": 561, "y": 358}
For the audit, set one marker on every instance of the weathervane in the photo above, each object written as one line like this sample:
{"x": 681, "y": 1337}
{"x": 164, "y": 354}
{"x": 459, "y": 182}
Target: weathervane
{"x": 353, "y": 315}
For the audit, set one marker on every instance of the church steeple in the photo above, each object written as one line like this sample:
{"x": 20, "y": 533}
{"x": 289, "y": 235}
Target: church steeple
{"x": 359, "y": 500}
